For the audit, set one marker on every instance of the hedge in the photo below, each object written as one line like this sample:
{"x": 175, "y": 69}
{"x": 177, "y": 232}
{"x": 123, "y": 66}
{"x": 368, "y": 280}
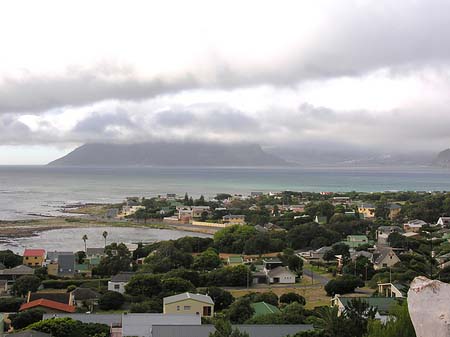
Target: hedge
{"x": 63, "y": 284}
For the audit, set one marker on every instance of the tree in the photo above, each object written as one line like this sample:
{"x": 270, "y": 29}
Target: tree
{"x": 24, "y": 284}
{"x": 144, "y": 285}
{"x": 343, "y": 285}
{"x": 175, "y": 285}
{"x": 398, "y": 325}
{"x": 25, "y": 318}
{"x": 117, "y": 259}
{"x": 9, "y": 259}
{"x": 111, "y": 300}
{"x": 85, "y": 238}
{"x": 10, "y": 304}
{"x": 291, "y": 297}
{"x": 207, "y": 260}
{"x": 240, "y": 311}
{"x": 148, "y": 306}
{"x": 68, "y": 327}
{"x": 358, "y": 312}
{"x": 105, "y": 235}
{"x": 224, "y": 329}
{"x": 268, "y": 297}
{"x": 337, "y": 249}
{"x": 222, "y": 299}
{"x": 80, "y": 256}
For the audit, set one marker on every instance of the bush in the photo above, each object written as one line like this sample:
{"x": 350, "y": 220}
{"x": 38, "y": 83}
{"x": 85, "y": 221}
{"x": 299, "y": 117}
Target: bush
{"x": 111, "y": 300}
{"x": 63, "y": 284}
{"x": 222, "y": 298}
{"x": 343, "y": 285}
{"x": 68, "y": 327}
{"x": 10, "y": 304}
{"x": 268, "y": 297}
{"x": 292, "y": 297}
{"x": 150, "y": 306}
{"x": 24, "y": 284}
{"x": 24, "y": 319}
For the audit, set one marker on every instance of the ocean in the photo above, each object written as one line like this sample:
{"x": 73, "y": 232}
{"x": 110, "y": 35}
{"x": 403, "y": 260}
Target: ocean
{"x": 43, "y": 189}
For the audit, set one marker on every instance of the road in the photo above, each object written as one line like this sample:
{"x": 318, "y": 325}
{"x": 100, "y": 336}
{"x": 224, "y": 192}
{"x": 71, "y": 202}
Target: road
{"x": 321, "y": 279}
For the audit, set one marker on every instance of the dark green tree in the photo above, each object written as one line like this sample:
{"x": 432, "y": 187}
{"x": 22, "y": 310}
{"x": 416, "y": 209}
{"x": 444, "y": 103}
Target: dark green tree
{"x": 111, "y": 300}
{"x": 24, "y": 284}
{"x": 23, "y": 319}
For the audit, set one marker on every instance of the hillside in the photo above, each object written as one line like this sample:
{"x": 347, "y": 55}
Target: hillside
{"x": 169, "y": 154}
{"x": 442, "y": 159}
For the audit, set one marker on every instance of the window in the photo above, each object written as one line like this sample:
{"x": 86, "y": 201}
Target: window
{"x": 207, "y": 311}
{"x": 187, "y": 307}
{"x": 117, "y": 286}
{"x": 178, "y": 308}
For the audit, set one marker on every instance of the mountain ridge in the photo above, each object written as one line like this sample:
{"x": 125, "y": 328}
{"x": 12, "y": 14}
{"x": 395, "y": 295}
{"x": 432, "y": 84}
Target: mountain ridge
{"x": 169, "y": 154}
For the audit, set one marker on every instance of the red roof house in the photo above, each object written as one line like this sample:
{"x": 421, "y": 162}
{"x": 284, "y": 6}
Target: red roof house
{"x": 34, "y": 257}
{"x": 48, "y": 306}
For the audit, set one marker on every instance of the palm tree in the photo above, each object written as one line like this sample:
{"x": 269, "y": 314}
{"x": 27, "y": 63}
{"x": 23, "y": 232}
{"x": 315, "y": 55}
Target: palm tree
{"x": 105, "y": 235}
{"x": 85, "y": 238}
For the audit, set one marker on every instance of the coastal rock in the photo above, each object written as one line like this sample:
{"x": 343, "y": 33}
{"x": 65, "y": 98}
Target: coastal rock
{"x": 428, "y": 304}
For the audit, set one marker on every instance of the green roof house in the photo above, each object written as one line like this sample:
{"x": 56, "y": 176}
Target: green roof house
{"x": 263, "y": 308}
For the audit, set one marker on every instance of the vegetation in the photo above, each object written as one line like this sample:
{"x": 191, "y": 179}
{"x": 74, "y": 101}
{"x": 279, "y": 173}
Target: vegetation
{"x": 67, "y": 327}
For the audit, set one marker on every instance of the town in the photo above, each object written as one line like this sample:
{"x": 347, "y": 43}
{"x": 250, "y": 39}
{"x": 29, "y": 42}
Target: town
{"x": 278, "y": 264}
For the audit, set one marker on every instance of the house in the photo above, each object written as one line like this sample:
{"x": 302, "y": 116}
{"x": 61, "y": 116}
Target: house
{"x": 235, "y": 260}
{"x": 28, "y": 333}
{"x": 61, "y": 264}
{"x": 198, "y": 211}
{"x": 281, "y": 275}
{"x": 384, "y": 257}
{"x": 443, "y": 221}
{"x": 383, "y": 305}
{"x": 414, "y": 225}
{"x": 232, "y": 219}
{"x": 270, "y": 227}
{"x": 296, "y": 208}
{"x": 129, "y": 210}
{"x": 263, "y": 308}
{"x": 345, "y": 201}
{"x": 394, "y": 289}
{"x": 271, "y": 263}
{"x": 60, "y": 297}
{"x": 14, "y": 273}
{"x": 383, "y": 233}
{"x": 367, "y": 210}
{"x": 184, "y": 214}
{"x": 47, "y": 306}
{"x": 394, "y": 210}
{"x": 119, "y": 281}
{"x": 317, "y": 254}
{"x": 83, "y": 269}
{"x": 95, "y": 252}
{"x": 354, "y": 255}
{"x": 320, "y": 219}
{"x": 355, "y": 241}
{"x": 85, "y": 297}
{"x": 253, "y": 330}
{"x": 188, "y": 303}
{"x": 34, "y": 257}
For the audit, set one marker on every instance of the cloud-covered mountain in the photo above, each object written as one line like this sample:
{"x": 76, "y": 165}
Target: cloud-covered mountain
{"x": 169, "y": 154}
{"x": 442, "y": 159}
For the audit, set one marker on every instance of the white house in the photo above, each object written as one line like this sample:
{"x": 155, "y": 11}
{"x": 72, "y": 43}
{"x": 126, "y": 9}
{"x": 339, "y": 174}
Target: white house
{"x": 444, "y": 221}
{"x": 119, "y": 281}
{"x": 281, "y": 275}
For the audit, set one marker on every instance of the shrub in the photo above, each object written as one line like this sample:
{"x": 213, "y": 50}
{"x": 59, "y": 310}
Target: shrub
{"x": 343, "y": 285}
{"x": 111, "y": 300}
{"x": 292, "y": 297}
{"x": 24, "y": 319}
{"x": 10, "y": 304}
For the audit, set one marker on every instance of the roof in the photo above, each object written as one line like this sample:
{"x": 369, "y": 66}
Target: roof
{"x": 279, "y": 271}
{"x": 81, "y": 294}
{"x": 124, "y": 276}
{"x": 271, "y": 260}
{"x": 235, "y": 259}
{"x": 54, "y": 255}
{"x": 29, "y": 333}
{"x": 367, "y": 205}
{"x": 186, "y": 296}
{"x": 18, "y": 270}
{"x": 142, "y": 324}
{"x": 394, "y": 206}
{"x": 47, "y": 304}
{"x": 95, "y": 251}
{"x": 388, "y": 229}
{"x": 108, "y": 319}
{"x": 63, "y": 298}
{"x": 263, "y": 308}
{"x": 383, "y": 304}
{"x": 34, "y": 252}
{"x": 253, "y": 330}
{"x": 66, "y": 263}
{"x": 382, "y": 253}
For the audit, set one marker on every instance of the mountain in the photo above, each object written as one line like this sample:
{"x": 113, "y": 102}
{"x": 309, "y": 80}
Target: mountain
{"x": 442, "y": 159}
{"x": 169, "y": 154}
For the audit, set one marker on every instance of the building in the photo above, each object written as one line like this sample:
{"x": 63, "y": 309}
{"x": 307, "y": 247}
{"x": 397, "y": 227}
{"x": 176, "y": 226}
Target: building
{"x": 198, "y": 211}
{"x": 382, "y": 304}
{"x": 414, "y": 226}
{"x": 395, "y": 289}
{"x": 321, "y": 219}
{"x": 85, "y": 297}
{"x": 60, "y": 297}
{"x": 188, "y": 303}
{"x": 47, "y": 306}
{"x": 383, "y": 233}
{"x": 354, "y": 241}
{"x": 394, "y": 210}
{"x": 34, "y": 257}
{"x": 443, "y": 221}
{"x": 314, "y": 255}
{"x": 263, "y": 308}
{"x": 119, "y": 281}
{"x": 95, "y": 252}
{"x": 344, "y": 201}
{"x": 11, "y": 274}
{"x": 184, "y": 214}
{"x": 253, "y": 330}
{"x": 281, "y": 275}
{"x": 235, "y": 260}
{"x": 64, "y": 265}
{"x": 28, "y": 333}
{"x": 384, "y": 257}
{"x": 232, "y": 219}
{"x": 367, "y": 210}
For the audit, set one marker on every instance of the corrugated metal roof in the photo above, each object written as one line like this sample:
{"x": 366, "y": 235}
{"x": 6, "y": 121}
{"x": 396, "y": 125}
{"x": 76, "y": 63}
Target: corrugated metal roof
{"x": 141, "y": 325}
{"x": 186, "y": 296}
{"x": 107, "y": 319}
{"x": 254, "y": 330}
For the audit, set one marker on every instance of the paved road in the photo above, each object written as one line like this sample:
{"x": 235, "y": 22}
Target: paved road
{"x": 318, "y": 278}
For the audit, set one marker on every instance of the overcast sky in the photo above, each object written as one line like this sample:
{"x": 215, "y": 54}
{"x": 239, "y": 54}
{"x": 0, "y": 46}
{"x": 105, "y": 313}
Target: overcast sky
{"x": 372, "y": 74}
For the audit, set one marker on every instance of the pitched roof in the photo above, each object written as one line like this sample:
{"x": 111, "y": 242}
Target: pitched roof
{"x": 29, "y": 333}
{"x": 235, "y": 259}
{"x": 279, "y": 271}
{"x": 383, "y": 304}
{"x": 34, "y": 252}
{"x": 95, "y": 251}
{"x": 108, "y": 319}
{"x": 81, "y": 294}
{"x": 142, "y": 324}
{"x": 382, "y": 253}
{"x": 63, "y": 298}
{"x": 47, "y": 304}
{"x": 186, "y": 296}
{"x": 124, "y": 276}
{"x": 18, "y": 270}
{"x": 263, "y": 308}
{"x": 54, "y": 255}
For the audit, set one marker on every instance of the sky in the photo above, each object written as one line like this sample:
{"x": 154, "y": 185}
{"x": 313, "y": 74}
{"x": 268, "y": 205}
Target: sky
{"x": 357, "y": 74}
